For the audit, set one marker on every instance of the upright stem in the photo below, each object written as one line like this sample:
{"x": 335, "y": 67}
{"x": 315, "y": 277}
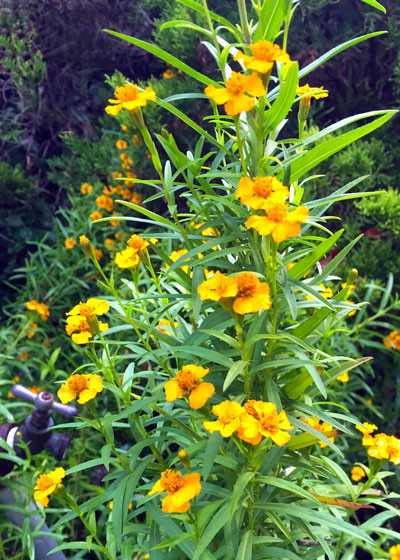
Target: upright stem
{"x": 240, "y": 146}
{"x": 244, "y": 21}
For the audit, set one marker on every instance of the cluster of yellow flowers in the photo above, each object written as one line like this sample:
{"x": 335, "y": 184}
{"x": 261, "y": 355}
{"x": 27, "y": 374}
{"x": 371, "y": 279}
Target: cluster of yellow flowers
{"x": 135, "y": 252}
{"x": 83, "y": 318}
{"x": 392, "y": 340}
{"x": 380, "y": 446}
{"x": 40, "y": 308}
{"x": 250, "y": 422}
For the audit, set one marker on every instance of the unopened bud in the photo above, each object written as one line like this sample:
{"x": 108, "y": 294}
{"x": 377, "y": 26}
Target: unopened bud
{"x": 304, "y": 108}
{"x": 144, "y": 257}
{"x": 93, "y": 323}
{"x": 184, "y": 458}
{"x": 165, "y": 133}
{"x": 87, "y": 247}
{"x": 352, "y": 276}
{"x": 59, "y": 490}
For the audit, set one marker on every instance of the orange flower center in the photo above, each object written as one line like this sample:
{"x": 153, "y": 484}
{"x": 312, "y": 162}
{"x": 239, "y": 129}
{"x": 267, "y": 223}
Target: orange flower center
{"x": 235, "y": 84}
{"x": 249, "y": 408}
{"x": 77, "y": 383}
{"x": 86, "y": 310}
{"x": 126, "y": 93}
{"x": 171, "y": 481}
{"x": 186, "y": 380}
{"x": 263, "y": 186}
{"x": 136, "y": 242}
{"x": 247, "y": 284}
{"x": 44, "y": 482}
{"x": 277, "y": 212}
{"x": 269, "y": 422}
{"x": 264, "y": 50}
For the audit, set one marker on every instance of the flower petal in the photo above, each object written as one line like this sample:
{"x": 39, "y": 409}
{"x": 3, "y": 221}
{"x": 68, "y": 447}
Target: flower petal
{"x": 172, "y": 390}
{"x": 200, "y": 395}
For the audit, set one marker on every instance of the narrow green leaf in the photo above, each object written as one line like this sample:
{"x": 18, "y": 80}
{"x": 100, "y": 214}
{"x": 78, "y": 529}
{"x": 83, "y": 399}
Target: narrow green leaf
{"x": 213, "y": 443}
{"x": 320, "y": 153}
{"x": 222, "y": 336}
{"x": 375, "y": 4}
{"x": 288, "y": 486}
{"x": 215, "y": 525}
{"x": 335, "y": 262}
{"x": 239, "y": 488}
{"x": 270, "y": 21}
{"x": 235, "y": 370}
{"x": 284, "y": 101}
{"x": 303, "y": 266}
{"x": 173, "y": 541}
{"x": 170, "y": 527}
{"x": 187, "y": 24}
{"x": 246, "y": 546}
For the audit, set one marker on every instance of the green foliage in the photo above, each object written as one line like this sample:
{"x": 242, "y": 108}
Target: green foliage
{"x": 14, "y": 186}
{"x": 384, "y": 210}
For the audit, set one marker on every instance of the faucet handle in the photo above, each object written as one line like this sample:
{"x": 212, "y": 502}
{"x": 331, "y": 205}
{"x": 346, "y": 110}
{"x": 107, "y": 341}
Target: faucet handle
{"x": 43, "y": 401}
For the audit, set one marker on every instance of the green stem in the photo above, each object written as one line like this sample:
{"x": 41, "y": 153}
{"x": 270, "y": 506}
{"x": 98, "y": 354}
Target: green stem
{"x": 240, "y": 146}
{"x": 244, "y": 21}
{"x": 287, "y": 23}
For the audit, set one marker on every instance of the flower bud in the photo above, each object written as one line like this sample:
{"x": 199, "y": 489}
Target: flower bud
{"x": 352, "y": 276}
{"x": 184, "y": 458}
{"x": 93, "y": 323}
{"x": 87, "y": 247}
{"x": 304, "y": 108}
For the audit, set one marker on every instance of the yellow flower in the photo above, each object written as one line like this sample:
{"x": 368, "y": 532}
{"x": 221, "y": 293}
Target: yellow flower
{"x": 257, "y": 192}
{"x": 367, "y": 429}
{"x": 261, "y": 419}
{"x": 124, "y": 127}
{"x": 350, "y": 287}
{"x": 278, "y": 222}
{"x": 70, "y": 243}
{"x": 115, "y": 223}
{"x": 105, "y": 202}
{"x": 264, "y": 55}
{"x": 395, "y": 552}
{"x": 40, "y": 308}
{"x": 128, "y": 258}
{"x": 383, "y": 446}
{"x": 129, "y": 97}
{"x": 325, "y": 292}
{"x": 357, "y": 473}
{"x": 31, "y": 334}
{"x": 217, "y": 287}
{"x": 98, "y": 253}
{"x": 136, "y": 139}
{"x": 324, "y": 427}
{"x": 233, "y": 95}
{"x": 353, "y": 311}
{"x": 165, "y": 323}
{"x": 175, "y": 255}
{"x": 136, "y": 199}
{"x": 23, "y": 356}
{"x": 344, "y": 378}
{"x": 153, "y": 240}
{"x": 229, "y": 413}
{"x": 83, "y": 317}
{"x": 121, "y": 144}
{"x": 252, "y": 295}
{"x": 86, "y": 188}
{"x": 46, "y": 485}
{"x": 392, "y": 340}
{"x": 109, "y": 242}
{"x": 180, "y": 490}
{"x": 126, "y": 194}
{"x": 108, "y": 190}
{"x": 35, "y": 389}
{"x": 168, "y": 74}
{"x": 313, "y": 92}
{"x": 96, "y": 215}
{"x": 188, "y": 381}
{"x": 86, "y": 386}
{"x": 137, "y": 243}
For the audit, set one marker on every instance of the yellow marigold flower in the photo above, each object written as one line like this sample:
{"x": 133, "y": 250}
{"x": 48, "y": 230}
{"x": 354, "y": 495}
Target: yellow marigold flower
{"x": 313, "y": 92}
{"x": 98, "y": 253}
{"x": 367, "y": 429}
{"x": 394, "y": 551}
{"x": 218, "y": 287}
{"x": 121, "y": 144}
{"x": 234, "y": 94}
{"x": 325, "y": 292}
{"x": 35, "y": 389}
{"x": 40, "y": 308}
{"x": 175, "y": 255}
{"x": 136, "y": 139}
{"x": 324, "y": 427}
{"x": 85, "y": 386}
{"x": 188, "y": 381}
{"x": 168, "y": 74}
{"x": 153, "y": 240}
{"x": 126, "y": 194}
{"x": 109, "y": 242}
{"x": 86, "y": 188}
{"x": 31, "y": 334}
{"x": 261, "y": 419}
{"x": 357, "y": 473}
{"x": 252, "y": 295}
{"x": 137, "y": 243}
{"x": 180, "y": 490}
{"x": 109, "y": 190}
{"x": 258, "y": 192}
{"x": 83, "y": 317}
{"x": 264, "y": 55}
{"x": 129, "y": 97}
{"x": 165, "y": 323}
{"x": 96, "y": 215}
{"x": 229, "y": 413}
{"x": 46, "y": 484}
{"x": 136, "y": 198}
{"x": 353, "y": 311}
{"x": 23, "y": 356}
{"x": 115, "y": 223}
{"x": 70, "y": 243}
{"x": 105, "y": 202}
{"x": 392, "y": 340}
{"x": 383, "y": 446}
{"x": 278, "y": 222}
{"x": 344, "y": 378}
{"x": 128, "y": 258}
